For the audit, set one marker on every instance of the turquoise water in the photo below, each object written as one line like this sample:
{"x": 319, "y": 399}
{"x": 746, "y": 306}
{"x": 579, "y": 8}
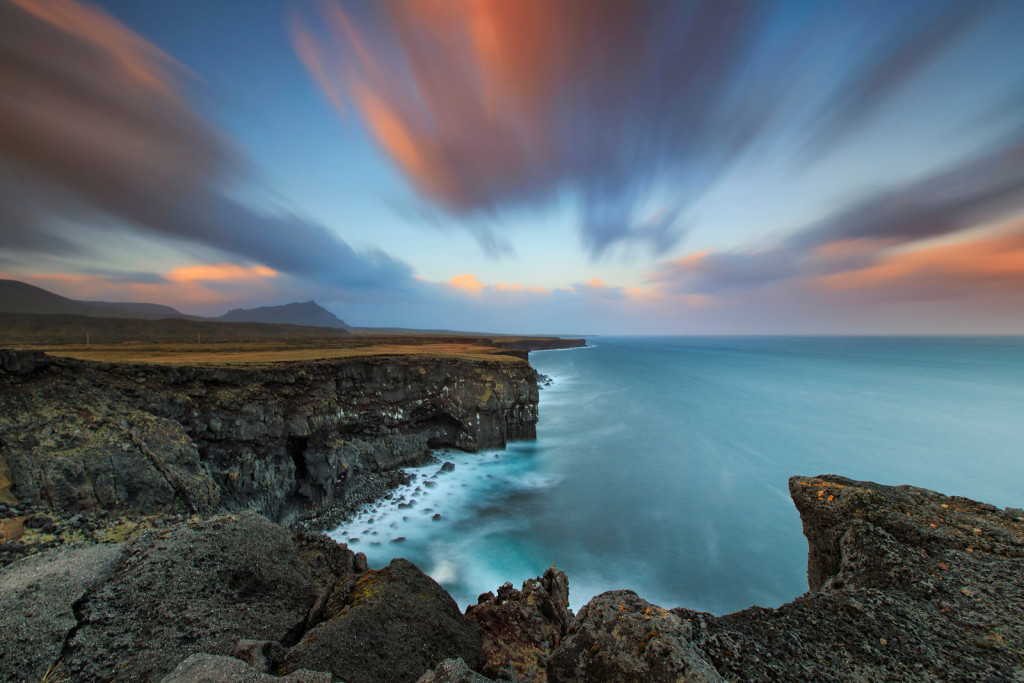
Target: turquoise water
{"x": 661, "y": 464}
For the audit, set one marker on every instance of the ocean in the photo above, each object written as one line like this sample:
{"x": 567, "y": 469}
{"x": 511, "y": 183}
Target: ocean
{"x": 661, "y": 463}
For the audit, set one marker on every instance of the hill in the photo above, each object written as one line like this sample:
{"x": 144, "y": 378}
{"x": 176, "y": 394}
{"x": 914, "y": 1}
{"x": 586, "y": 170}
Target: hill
{"x": 308, "y": 313}
{"x": 21, "y": 297}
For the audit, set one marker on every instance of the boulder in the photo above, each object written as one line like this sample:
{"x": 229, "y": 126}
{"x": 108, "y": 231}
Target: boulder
{"x": 619, "y": 636}
{"x": 262, "y": 655}
{"x": 522, "y": 627}
{"x": 37, "y": 599}
{"x": 205, "y": 668}
{"x": 386, "y": 625}
{"x": 194, "y": 588}
{"x": 453, "y": 671}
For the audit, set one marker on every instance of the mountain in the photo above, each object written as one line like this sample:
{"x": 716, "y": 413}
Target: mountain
{"x": 21, "y": 297}
{"x": 308, "y": 313}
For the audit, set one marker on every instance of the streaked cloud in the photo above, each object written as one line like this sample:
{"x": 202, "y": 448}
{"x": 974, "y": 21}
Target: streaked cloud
{"x": 95, "y": 129}
{"x": 490, "y": 105}
{"x": 886, "y": 238}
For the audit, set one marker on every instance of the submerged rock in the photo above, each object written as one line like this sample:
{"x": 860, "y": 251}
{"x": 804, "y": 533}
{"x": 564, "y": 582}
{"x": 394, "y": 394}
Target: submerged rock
{"x": 386, "y": 625}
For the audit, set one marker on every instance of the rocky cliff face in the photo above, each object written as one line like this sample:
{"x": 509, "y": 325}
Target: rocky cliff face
{"x": 289, "y": 439}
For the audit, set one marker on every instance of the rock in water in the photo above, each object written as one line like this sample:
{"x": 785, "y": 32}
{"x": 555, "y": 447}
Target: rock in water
{"x": 387, "y": 625}
{"x": 522, "y": 627}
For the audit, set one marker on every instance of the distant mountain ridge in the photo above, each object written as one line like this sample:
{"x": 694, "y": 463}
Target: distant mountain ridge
{"x": 21, "y": 297}
{"x": 308, "y": 313}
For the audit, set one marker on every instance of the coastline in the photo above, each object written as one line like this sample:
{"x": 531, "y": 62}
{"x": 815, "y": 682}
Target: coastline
{"x": 882, "y": 561}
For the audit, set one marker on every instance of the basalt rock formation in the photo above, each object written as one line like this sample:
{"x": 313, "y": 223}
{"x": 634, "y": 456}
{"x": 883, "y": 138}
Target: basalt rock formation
{"x": 906, "y": 585}
{"x": 521, "y": 628}
{"x": 288, "y": 439}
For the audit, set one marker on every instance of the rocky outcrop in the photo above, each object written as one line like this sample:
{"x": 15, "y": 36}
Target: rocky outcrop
{"x": 618, "y": 636}
{"x": 37, "y": 601}
{"x": 196, "y": 588}
{"x": 290, "y": 439}
{"x": 521, "y": 628}
{"x": 204, "y": 668}
{"x": 235, "y": 585}
{"x": 453, "y": 671}
{"x": 906, "y": 585}
{"x": 385, "y": 626}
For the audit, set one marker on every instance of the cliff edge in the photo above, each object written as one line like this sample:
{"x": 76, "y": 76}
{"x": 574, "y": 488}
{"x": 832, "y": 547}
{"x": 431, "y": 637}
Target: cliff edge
{"x": 289, "y": 439}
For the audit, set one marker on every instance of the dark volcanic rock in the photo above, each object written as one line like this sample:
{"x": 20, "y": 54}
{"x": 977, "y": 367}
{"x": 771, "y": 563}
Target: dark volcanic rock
{"x": 522, "y": 627}
{"x": 619, "y": 637}
{"x": 387, "y": 625}
{"x": 204, "y": 668}
{"x": 195, "y": 588}
{"x": 37, "y": 599}
{"x": 288, "y": 439}
{"x": 907, "y": 585}
{"x": 453, "y": 671}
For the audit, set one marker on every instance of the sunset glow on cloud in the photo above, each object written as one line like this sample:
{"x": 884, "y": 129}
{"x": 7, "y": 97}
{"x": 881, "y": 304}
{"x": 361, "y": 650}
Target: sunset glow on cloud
{"x": 684, "y": 166}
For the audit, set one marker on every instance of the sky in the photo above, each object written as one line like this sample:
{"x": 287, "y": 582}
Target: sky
{"x": 536, "y": 166}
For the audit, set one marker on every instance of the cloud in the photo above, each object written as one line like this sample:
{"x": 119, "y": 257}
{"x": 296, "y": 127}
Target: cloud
{"x": 94, "y": 128}
{"x": 467, "y": 282}
{"x": 887, "y": 237}
{"x": 490, "y": 105}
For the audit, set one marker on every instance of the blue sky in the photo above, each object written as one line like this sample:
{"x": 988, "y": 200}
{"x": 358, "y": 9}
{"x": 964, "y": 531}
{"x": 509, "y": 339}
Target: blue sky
{"x": 650, "y": 167}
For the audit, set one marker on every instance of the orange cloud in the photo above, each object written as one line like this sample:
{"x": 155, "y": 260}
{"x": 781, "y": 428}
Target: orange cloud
{"x": 467, "y": 282}
{"x": 221, "y": 271}
{"x": 502, "y": 287}
{"x": 998, "y": 260}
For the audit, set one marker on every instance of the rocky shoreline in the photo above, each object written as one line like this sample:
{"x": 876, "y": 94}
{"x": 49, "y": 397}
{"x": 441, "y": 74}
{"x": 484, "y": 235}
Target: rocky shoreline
{"x": 905, "y": 585}
{"x": 137, "y": 548}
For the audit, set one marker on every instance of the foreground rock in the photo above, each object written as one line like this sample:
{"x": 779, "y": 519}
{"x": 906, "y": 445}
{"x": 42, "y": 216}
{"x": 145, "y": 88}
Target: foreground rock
{"x": 387, "y": 625}
{"x": 135, "y": 611}
{"x": 907, "y": 585}
{"x": 204, "y": 668}
{"x": 521, "y": 628}
{"x": 37, "y": 599}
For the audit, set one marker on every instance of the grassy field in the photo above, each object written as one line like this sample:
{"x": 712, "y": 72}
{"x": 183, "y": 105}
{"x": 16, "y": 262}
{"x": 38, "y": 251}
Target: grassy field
{"x": 239, "y": 353}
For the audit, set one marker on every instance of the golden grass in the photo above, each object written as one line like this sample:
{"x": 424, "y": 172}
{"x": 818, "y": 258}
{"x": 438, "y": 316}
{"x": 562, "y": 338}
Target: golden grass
{"x": 260, "y": 352}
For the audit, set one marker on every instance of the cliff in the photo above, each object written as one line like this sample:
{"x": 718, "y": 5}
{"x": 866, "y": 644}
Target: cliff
{"x": 288, "y": 439}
